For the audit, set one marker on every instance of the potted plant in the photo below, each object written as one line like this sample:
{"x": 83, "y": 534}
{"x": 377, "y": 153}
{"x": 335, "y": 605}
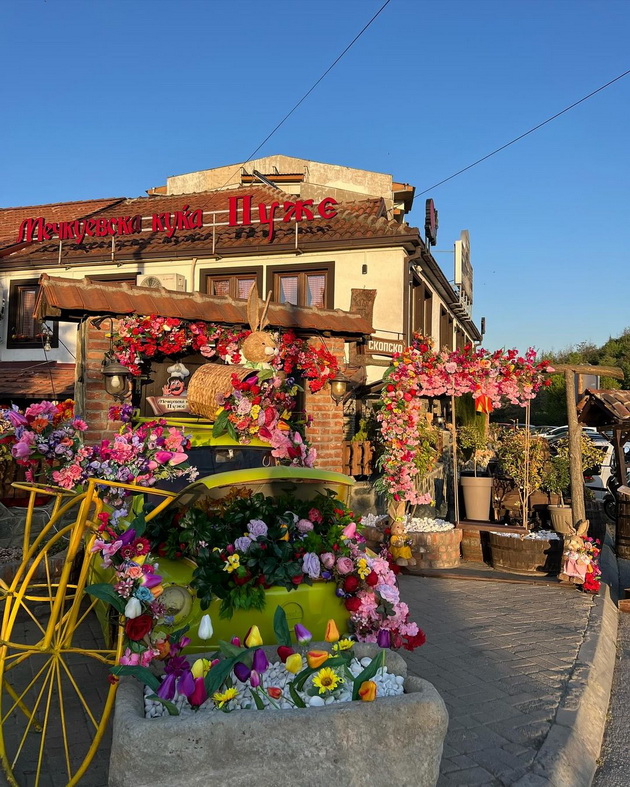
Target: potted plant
{"x": 556, "y": 480}
{"x": 477, "y": 489}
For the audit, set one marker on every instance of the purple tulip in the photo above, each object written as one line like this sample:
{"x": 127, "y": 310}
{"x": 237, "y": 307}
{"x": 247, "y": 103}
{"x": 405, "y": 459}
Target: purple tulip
{"x": 16, "y": 418}
{"x": 167, "y": 687}
{"x": 186, "y": 684}
{"x": 302, "y": 634}
{"x": 260, "y": 662}
{"x": 383, "y": 638}
{"x": 128, "y": 536}
{"x": 151, "y": 580}
{"x": 254, "y": 679}
{"x": 242, "y": 671}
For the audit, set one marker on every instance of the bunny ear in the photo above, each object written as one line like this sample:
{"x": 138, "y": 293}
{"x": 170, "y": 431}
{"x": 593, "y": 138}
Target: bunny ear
{"x": 252, "y": 307}
{"x": 582, "y": 527}
{"x": 264, "y": 320}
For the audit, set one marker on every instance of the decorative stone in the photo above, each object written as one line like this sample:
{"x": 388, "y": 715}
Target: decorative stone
{"x": 393, "y": 740}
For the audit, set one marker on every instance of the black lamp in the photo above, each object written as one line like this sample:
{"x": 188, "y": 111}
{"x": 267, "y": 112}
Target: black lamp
{"x": 340, "y": 386}
{"x": 115, "y": 374}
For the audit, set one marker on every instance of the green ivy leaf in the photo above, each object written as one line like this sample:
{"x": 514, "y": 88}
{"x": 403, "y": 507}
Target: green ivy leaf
{"x": 105, "y": 592}
{"x": 281, "y": 627}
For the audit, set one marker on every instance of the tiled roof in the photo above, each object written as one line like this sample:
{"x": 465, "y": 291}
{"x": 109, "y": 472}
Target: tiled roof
{"x": 361, "y": 220}
{"x": 12, "y": 218}
{"x": 32, "y": 380}
{"x": 605, "y": 407}
{"x": 74, "y": 298}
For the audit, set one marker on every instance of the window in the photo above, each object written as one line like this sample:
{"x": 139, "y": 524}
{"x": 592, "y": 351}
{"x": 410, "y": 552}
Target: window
{"x": 422, "y": 309}
{"x": 235, "y": 283}
{"x": 310, "y": 285}
{"x": 24, "y": 330}
{"x": 113, "y": 278}
{"x": 446, "y": 329}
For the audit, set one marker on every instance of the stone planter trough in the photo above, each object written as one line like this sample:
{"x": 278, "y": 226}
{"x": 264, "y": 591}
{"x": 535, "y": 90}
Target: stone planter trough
{"x": 436, "y": 549}
{"x": 393, "y": 740}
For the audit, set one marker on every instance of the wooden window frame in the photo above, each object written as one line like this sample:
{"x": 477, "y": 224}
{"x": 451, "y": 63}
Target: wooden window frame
{"x": 207, "y": 273}
{"x": 15, "y": 288}
{"x": 274, "y": 272}
{"x": 422, "y": 308}
{"x": 446, "y": 324}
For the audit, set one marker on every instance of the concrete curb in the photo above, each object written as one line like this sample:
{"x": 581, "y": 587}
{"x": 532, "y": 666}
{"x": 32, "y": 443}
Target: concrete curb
{"x": 568, "y": 757}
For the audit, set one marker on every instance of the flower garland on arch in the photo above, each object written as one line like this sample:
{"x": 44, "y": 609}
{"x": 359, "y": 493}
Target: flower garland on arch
{"x": 145, "y": 337}
{"x": 419, "y": 371}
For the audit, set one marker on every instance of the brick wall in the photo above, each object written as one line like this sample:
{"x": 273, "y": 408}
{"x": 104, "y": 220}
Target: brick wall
{"x": 326, "y": 433}
{"x": 96, "y": 401}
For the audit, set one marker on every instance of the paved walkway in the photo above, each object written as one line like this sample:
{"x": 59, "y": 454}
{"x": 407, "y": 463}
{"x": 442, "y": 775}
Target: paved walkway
{"x": 500, "y": 655}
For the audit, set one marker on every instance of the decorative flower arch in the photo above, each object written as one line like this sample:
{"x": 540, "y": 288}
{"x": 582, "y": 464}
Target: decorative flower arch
{"x": 418, "y": 372}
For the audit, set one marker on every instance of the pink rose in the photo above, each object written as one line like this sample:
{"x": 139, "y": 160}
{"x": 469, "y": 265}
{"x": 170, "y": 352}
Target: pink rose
{"x": 345, "y": 565}
{"x": 327, "y": 559}
{"x": 304, "y": 526}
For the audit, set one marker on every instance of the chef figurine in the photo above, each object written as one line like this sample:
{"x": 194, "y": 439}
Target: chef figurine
{"x": 175, "y": 385}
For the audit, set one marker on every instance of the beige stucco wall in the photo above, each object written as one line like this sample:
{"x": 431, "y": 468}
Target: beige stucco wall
{"x": 342, "y": 183}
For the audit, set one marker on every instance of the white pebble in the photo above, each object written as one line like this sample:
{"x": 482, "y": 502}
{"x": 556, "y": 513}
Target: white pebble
{"x": 316, "y": 702}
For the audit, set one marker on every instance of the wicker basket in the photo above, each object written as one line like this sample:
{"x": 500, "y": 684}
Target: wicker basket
{"x": 208, "y": 382}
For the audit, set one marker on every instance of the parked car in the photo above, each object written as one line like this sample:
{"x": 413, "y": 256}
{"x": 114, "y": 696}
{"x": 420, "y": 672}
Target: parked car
{"x": 562, "y": 431}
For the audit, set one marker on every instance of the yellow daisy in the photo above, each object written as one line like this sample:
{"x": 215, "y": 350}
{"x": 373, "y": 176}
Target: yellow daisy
{"x": 221, "y": 698}
{"x": 326, "y": 680}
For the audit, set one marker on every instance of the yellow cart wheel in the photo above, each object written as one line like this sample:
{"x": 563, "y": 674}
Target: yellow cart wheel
{"x": 55, "y": 697}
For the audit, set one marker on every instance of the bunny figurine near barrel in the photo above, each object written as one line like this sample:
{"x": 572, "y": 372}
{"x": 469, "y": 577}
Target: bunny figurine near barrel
{"x": 214, "y": 379}
{"x": 576, "y": 563}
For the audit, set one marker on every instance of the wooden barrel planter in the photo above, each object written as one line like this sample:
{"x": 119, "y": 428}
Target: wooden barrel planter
{"x": 436, "y": 549}
{"x": 526, "y": 555}
{"x": 622, "y": 535}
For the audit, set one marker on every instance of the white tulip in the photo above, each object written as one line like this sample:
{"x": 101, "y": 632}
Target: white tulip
{"x": 133, "y": 608}
{"x": 205, "y": 627}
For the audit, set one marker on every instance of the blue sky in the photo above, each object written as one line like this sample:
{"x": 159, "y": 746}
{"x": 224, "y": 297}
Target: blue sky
{"x": 109, "y": 98}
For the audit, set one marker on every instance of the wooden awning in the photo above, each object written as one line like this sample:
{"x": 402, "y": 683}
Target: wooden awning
{"x": 605, "y": 408}
{"x": 74, "y": 299}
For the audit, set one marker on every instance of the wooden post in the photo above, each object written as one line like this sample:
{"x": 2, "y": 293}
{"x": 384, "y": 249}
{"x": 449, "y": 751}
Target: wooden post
{"x": 578, "y": 509}
{"x": 455, "y": 478}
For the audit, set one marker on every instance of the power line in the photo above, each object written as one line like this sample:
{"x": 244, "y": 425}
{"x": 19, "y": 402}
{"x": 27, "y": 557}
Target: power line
{"x": 308, "y": 92}
{"x": 531, "y": 131}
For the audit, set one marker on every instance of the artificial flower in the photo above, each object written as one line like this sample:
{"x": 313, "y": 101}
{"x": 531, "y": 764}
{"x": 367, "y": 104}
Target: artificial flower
{"x": 326, "y": 680}
{"x": 242, "y": 671}
{"x": 232, "y": 563}
{"x": 253, "y": 638}
{"x": 343, "y": 644}
{"x": 302, "y": 634}
{"x": 332, "y": 632}
{"x": 274, "y": 692}
{"x": 199, "y": 694}
{"x": 345, "y": 565}
{"x": 284, "y": 651}
{"x": 200, "y": 668}
{"x": 293, "y": 663}
{"x": 260, "y": 663}
{"x": 138, "y": 628}
{"x": 367, "y": 692}
{"x": 254, "y": 679}
{"x": 315, "y": 658}
{"x": 383, "y": 638}
{"x": 133, "y": 608}
{"x": 222, "y": 698}
{"x": 205, "y": 630}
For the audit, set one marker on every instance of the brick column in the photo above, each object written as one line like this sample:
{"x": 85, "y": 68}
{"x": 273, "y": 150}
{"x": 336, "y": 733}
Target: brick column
{"x": 326, "y": 433}
{"x": 96, "y": 401}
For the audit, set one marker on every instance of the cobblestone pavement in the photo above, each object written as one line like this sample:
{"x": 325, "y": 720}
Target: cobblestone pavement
{"x": 500, "y": 655}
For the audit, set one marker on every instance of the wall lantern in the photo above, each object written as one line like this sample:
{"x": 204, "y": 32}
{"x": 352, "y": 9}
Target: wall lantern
{"x": 114, "y": 373}
{"x": 340, "y": 387}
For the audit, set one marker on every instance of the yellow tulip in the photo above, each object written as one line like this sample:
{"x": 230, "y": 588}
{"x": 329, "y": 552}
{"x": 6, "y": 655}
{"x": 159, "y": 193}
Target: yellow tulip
{"x": 315, "y": 658}
{"x": 253, "y": 638}
{"x": 332, "y": 632}
{"x": 367, "y": 692}
{"x": 200, "y": 668}
{"x": 293, "y": 663}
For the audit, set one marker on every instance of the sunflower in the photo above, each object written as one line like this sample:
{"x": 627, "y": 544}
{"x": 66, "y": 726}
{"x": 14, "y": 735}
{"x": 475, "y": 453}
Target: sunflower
{"x": 221, "y": 698}
{"x": 326, "y": 680}
{"x": 343, "y": 644}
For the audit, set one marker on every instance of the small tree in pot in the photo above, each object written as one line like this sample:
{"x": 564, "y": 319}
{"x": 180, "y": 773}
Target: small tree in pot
{"x": 477, "y": 490}
{"x": 511, "y": 446}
